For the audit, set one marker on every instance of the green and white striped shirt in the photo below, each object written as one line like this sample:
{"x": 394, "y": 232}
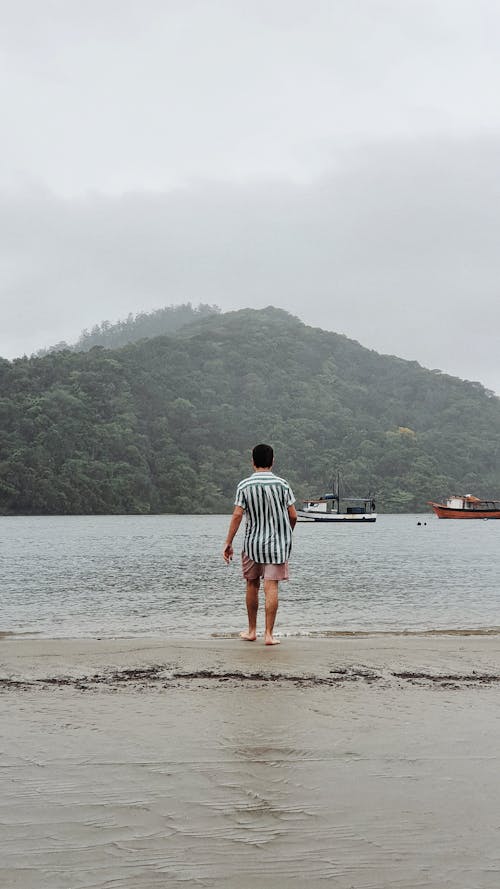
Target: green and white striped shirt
{"x": 268, "y": 534}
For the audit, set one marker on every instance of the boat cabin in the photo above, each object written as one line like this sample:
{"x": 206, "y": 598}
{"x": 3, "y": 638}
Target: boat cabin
{"x": 469, "y": 502}
{"x": 328, "y": 504}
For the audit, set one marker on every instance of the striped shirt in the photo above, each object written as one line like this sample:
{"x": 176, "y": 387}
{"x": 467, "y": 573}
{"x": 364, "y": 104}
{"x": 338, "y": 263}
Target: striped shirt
{"x": 268, "y": 533}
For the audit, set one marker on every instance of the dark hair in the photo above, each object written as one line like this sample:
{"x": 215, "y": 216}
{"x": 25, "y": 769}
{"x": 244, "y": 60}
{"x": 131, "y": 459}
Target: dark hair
{"x": 263, "y": 456}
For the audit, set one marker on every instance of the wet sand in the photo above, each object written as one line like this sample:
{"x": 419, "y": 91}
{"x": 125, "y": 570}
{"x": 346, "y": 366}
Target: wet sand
{"x": 365, "y": 762}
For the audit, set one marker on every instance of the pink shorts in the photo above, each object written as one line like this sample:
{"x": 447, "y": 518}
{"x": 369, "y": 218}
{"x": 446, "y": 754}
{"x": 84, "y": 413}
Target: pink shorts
{"x": 253, "y": 570}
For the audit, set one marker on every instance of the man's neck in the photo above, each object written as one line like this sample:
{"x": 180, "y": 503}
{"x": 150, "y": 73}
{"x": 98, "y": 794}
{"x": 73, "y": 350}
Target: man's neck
{"x": 259, "y": 469}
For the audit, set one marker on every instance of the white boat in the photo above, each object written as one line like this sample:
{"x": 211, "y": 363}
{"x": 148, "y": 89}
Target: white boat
{"x": 335, "y": 508}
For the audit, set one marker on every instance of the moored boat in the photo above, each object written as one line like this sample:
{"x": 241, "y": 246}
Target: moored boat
{"x": 333, "y": 507}
{"x": 466, "y": 506}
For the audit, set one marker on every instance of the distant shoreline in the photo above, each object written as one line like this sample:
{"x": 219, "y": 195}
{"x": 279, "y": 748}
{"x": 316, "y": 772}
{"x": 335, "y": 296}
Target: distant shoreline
{"x": 117, "y": 515}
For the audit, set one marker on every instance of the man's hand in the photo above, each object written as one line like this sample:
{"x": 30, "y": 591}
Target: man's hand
{"x": 227, "y": 552}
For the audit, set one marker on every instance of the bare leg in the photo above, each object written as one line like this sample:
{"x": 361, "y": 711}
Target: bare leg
{"x": 252, "y": 608}
{"x": 271, "y": 591}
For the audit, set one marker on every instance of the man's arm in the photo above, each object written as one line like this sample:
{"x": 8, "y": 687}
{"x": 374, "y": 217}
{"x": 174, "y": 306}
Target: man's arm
{"x": 227, "y": 552}
{"x": 292, "y": 515}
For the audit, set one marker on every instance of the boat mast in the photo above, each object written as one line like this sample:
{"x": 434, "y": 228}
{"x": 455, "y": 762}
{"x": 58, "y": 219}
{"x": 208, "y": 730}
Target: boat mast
{"x": 338, "y": 492}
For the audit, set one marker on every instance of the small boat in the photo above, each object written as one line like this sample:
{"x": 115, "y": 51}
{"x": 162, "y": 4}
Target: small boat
{"x": 333, "y": 507}
{"x": 466, "y": 506}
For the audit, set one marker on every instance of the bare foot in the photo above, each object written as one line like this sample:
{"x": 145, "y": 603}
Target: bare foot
{"x": 248, "y": 637}
{"x": 270, "y": 640}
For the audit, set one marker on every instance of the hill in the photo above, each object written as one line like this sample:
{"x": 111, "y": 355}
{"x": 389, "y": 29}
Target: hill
{"x": 166, "y": 424}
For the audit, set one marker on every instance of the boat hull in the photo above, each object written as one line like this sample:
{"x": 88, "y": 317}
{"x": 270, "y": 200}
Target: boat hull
{"x": 335, "y": 517}
{"x": 447, "y": 512}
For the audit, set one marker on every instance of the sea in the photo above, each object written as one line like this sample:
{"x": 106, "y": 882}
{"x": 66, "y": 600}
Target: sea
{"x": 164, "y": 576}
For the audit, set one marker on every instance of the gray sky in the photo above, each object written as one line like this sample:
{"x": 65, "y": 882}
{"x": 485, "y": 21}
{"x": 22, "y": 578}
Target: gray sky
{"x": 337, "y": 158}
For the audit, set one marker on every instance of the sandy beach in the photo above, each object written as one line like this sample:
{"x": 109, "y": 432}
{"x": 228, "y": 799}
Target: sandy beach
{"x": 357, "y": 762}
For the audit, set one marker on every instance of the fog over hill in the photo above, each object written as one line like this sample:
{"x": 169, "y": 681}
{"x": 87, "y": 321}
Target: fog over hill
{"x": 133, "y": 328}
{"x": 338, "y": 160}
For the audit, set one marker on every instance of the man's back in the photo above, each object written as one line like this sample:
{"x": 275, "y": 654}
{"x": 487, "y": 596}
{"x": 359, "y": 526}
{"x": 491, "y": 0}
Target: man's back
{"x": 265, "y": 497}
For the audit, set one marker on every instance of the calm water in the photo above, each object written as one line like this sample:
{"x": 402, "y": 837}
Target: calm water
{"x": 164, "y": 575}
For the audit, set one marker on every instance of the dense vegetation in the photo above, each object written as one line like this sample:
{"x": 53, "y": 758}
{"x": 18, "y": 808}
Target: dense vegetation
{"x": 166, "y": 424}
{"x": 133, "y": 328}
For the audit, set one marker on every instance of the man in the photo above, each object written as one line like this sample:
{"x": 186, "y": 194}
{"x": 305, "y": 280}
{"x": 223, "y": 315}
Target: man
{"x": 270, "y": 519}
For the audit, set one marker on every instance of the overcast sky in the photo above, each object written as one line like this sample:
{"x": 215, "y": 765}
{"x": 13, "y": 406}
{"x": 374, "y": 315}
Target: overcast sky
{"x": 337, "y": 158}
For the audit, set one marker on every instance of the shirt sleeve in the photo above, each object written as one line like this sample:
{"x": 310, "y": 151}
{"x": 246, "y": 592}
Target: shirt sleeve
{"x": 290, "y": 499}
{"x": 240, "y": 499}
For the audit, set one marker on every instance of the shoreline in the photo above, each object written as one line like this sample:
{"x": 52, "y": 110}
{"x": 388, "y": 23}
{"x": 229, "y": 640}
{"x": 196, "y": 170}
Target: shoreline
{"x": 468, "y": 657}
{"x": 233, "y": 634}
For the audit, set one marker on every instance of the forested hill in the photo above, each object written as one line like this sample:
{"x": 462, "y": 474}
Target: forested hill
{"x": 143, "y": 325}
{"x": 167, "y": 424}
